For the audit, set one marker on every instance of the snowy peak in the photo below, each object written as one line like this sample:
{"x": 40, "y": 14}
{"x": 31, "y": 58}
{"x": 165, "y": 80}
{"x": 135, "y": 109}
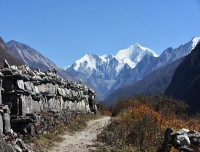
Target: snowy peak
{"x": 107, "y": 73}
{"x": 195, "y": 41}
{"x": 131, "y": 56}
{"x": 134, "y": 54}
{"x": 87, "y": 61}
{"x": 102, "y": 72}
{"x": 169, "y": 55}
{"x": 91, "y": 61}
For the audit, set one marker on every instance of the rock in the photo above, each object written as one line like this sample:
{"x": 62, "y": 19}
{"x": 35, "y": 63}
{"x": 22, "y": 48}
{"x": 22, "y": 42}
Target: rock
{"x": 27, "y": 86}
{"x": 6, "y": 65}
{"x": 1, "y": 125}
{"x": 23, "y": 104}
{"x": 195, "y": 141}
{"x": 182, "y": 140}
{"x": 185, "y": 149}
{"x": 14, "y": 68}
{"x": 194, "y": 133}
{"x": 20, "y": 84}
{"x": 31, "y": 130}
{"x": 17, "y": 148}
{"x": 6, "y": 120}
{"x": 181, "y": 132}
{"x": 1, "y": 75}
{"x": 6, "y": 109}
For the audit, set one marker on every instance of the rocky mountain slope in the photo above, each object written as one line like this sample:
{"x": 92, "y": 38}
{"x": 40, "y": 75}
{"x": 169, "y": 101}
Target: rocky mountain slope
{"x": 6, "y": 54}
{"x": 185, "y": 83}
{"x": 154, "y": 83}
{"x": 34, "y": 59}
{"x": 108, "y": 73}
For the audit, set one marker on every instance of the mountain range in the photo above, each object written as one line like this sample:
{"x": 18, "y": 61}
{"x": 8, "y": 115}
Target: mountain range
{"x": 102, "y": 72}
{"x": 132, "y": 71}
{"x": 153, "y": 84}
{"x": 109, "y": 73}
{"x": 34, "y": 59}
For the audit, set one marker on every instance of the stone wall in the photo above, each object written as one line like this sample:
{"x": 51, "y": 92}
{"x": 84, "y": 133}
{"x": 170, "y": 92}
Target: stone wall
{"x": 28, "y": 97}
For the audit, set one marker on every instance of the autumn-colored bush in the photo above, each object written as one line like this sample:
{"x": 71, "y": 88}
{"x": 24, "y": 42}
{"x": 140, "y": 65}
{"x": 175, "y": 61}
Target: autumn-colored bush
{"x": 138, "y": 127}
{"x": 104, "y": 109}
{"x": 123, "y": 105}
{"x": 142, "y": 126}
{"x": 139, "y": 123}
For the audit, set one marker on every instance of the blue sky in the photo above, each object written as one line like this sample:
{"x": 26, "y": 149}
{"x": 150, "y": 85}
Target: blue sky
{"x": 65, "y": 30}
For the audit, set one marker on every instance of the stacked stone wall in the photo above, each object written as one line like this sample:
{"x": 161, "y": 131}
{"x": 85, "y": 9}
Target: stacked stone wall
{"x": 32, "y": 101}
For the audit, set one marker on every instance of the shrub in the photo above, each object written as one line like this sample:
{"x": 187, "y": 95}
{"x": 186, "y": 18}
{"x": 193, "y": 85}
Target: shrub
{"x": 139, "y": 123}
{"x": 142, "y": 126}
{"x": 105, "y": 109}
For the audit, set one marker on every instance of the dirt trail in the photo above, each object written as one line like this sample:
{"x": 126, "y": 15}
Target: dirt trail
{"x": 82, "y": 141}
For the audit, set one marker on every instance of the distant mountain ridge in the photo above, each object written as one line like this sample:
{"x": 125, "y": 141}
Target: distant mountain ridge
{"x": 30, "y": 56}
{"x": 34, "y": 59}
{"x": 154, "y": 83}
{"x": 150, "y": 63}
{"x": 108, "y": 73}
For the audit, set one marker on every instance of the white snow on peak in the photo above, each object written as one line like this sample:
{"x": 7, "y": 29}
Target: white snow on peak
{"x": 89, "y": 61}
{"x": 133, "y": 54}
{"x": 147, "y": 49}
{"x": 104, "y": 57}
{"x": 195, "y": 41}
{"x": 67, "y": 67}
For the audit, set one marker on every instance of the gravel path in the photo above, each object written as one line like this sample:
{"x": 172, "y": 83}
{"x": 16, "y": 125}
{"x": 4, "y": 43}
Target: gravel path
{"x": 82, "y": 141}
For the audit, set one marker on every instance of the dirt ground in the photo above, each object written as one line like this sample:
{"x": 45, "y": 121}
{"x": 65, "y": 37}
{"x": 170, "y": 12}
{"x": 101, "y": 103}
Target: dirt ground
{"x": 82, "y": 141}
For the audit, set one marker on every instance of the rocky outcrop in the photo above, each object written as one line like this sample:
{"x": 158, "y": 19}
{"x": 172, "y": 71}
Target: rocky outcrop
{"x": 32, "y": 101}
{"x": 183, "y": 140}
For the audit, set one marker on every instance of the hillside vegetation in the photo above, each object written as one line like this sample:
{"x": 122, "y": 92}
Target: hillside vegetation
{"x": 139, "y": 123}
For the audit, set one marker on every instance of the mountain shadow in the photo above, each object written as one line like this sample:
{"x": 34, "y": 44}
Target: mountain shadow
{"x": 6, "y": 54}
{"x": 154, "y": 83}
{"x": 185, "y": 84}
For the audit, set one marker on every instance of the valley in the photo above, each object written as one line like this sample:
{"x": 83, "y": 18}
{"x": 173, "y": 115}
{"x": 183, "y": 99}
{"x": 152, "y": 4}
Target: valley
{"x": 99, "y": 76}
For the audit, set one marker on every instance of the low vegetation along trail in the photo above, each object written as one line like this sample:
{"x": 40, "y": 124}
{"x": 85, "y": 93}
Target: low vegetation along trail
{"x": 82, "y": 141}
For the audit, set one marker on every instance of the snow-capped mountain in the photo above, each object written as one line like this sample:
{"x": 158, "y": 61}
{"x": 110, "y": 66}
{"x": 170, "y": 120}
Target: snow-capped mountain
{"x": 133, "y": 54}
{"x": 34, "y": 59}
{"x": 102, "y": 72}
{"x": 148, "y": 64}
{"x": 108, "y": 73}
